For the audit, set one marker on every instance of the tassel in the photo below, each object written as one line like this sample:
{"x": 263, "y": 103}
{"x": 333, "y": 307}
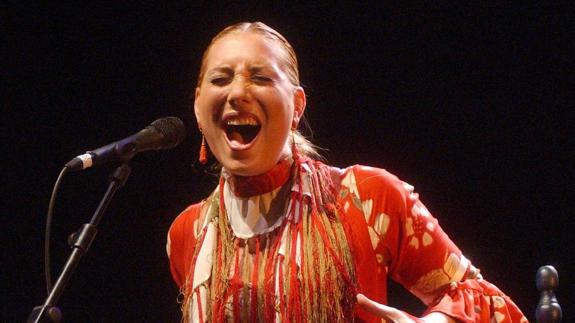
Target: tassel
{"x": 282, "y": 296}
{"x": 294, "y": 287}
{"x": 254, "y": 290}
{"x": 203, "y": 158}
{"x": 200, "y": 310}
{"x": 236, "y": 281}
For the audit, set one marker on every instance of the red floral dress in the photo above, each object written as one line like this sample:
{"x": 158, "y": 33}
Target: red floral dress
{"x": 390, "y": 234}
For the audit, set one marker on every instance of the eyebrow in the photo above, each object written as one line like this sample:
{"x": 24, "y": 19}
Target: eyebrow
{"x": 260, "y": 68}
{"x": 222, "y": 69}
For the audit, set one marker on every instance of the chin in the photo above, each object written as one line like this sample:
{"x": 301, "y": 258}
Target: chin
{"x": 238, "y": 168}
{"x": 243, "y": 169}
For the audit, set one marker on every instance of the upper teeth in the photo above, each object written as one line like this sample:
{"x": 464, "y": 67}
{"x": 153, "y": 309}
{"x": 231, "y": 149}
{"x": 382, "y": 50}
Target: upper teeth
{"x": 242, "y": 122}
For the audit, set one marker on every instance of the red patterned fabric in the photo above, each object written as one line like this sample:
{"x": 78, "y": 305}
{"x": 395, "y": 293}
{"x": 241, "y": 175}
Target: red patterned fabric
{"x": 391, "y": 235}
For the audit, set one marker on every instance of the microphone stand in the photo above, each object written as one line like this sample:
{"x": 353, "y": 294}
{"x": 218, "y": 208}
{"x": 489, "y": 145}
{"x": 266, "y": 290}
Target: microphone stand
{"x": 80, "y": 241}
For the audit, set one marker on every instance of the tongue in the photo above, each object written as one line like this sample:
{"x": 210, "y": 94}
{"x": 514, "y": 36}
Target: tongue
{"x": 236, "y": 137}
{"x": 242, "y": 135}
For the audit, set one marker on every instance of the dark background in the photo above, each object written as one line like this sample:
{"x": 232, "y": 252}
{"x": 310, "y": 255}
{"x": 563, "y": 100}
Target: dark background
{"x": 472, "y": 105}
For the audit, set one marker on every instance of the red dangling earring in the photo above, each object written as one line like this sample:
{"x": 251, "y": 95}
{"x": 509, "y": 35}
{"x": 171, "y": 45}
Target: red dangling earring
{"x": 203, "y": 157}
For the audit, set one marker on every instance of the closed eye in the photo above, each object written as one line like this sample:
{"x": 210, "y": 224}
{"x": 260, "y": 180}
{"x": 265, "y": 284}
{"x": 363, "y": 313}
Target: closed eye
{"x": 261, "y": 79}
{"x": 220, "y": 81}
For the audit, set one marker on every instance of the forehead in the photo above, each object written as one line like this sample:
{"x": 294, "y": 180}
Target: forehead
{"x": 248, "y": 47}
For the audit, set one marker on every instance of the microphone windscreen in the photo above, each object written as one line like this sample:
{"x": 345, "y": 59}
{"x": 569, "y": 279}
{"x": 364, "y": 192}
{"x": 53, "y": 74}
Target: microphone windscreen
{"x": 172, "y": 129}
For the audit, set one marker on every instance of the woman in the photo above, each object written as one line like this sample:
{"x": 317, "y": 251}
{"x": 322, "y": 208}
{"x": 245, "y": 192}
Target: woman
{"x": 286, "y": 238}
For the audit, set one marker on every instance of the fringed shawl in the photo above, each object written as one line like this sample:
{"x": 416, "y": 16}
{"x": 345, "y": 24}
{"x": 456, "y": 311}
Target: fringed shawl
{"x": 301, "y": 271}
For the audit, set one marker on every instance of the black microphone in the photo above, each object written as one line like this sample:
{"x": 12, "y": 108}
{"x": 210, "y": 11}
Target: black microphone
{"x": 164, "y": 133}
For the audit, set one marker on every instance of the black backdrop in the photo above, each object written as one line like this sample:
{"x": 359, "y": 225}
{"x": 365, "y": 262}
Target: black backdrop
{"x": 472, "y": 105}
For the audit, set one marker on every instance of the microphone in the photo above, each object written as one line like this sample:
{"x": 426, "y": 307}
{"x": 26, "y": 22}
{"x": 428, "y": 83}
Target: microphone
{"x": 164, "y": 133}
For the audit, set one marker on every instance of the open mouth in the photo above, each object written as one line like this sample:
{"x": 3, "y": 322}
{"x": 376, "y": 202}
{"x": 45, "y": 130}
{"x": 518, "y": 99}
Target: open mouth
{"x": 241, "y": 130}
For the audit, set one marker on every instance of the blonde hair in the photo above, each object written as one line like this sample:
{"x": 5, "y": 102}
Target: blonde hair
{"x": 303, "y": 145}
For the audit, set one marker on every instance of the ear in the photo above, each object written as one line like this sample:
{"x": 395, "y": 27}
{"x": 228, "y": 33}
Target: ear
{"x": 299, "y": 105}
{"x": 196, "y": 111}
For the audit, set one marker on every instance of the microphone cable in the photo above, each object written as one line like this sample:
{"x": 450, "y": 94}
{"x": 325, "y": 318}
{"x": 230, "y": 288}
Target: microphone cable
{"x": 49, "y": 216}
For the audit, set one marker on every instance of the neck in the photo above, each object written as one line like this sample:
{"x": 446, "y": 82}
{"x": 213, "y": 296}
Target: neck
{"x": 248, "y": 186}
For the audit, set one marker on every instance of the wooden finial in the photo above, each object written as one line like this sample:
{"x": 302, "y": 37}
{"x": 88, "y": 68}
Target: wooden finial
{"x": 548, "y": 309}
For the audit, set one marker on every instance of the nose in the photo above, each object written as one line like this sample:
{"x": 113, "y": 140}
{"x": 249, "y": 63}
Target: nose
{"x": 239, "y": 91}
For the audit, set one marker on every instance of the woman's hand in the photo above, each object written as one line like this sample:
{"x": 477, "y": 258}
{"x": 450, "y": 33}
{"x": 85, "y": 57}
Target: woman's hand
{"x": 394, "y": 315}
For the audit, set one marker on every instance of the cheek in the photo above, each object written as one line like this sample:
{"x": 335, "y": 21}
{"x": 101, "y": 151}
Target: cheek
{"x": 279, "y": 107}
{"x": 280, "y": 122}
{"x": 210, "y": 106}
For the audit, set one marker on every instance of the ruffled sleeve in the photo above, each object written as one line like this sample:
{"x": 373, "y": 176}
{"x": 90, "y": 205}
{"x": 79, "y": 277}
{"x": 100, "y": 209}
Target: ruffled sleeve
{"x": 476, "y": 300}
{"x": 418, "y": 253}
